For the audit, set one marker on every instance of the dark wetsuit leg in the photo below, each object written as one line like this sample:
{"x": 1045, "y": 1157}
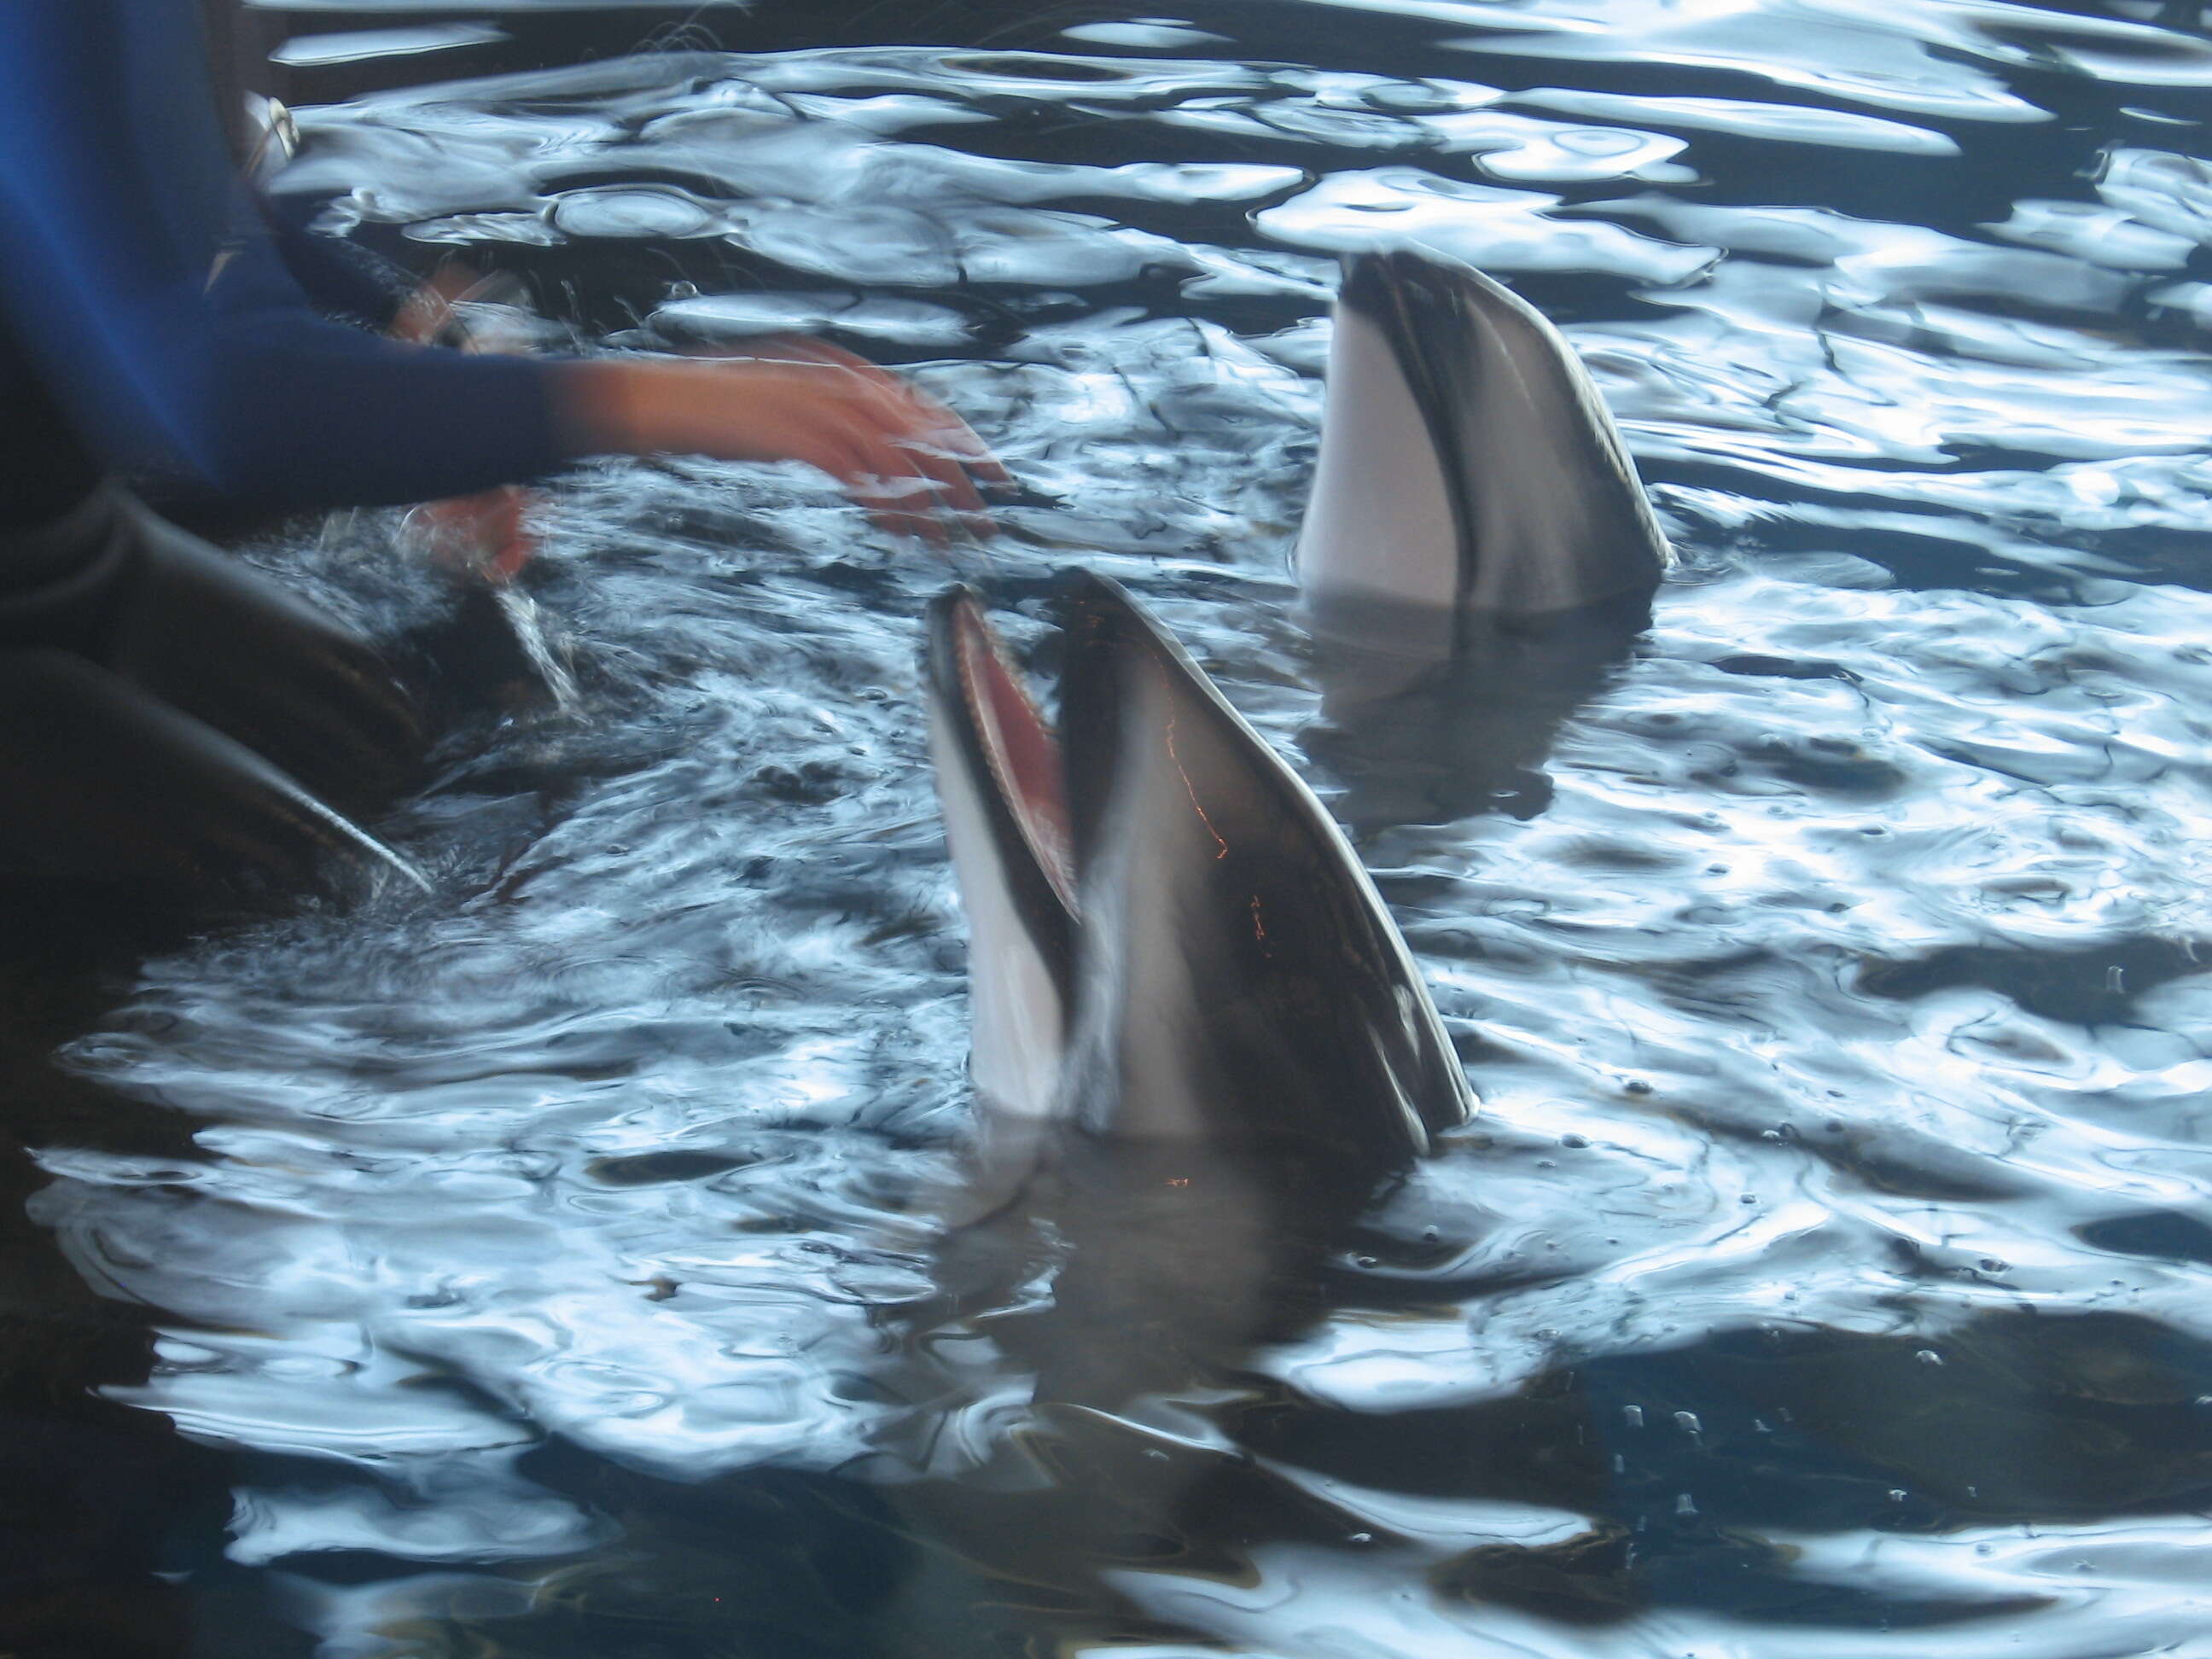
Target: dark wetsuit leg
{"x": 44, "y": 468}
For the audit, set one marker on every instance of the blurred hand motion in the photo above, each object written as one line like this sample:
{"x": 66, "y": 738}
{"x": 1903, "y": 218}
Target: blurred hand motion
{"x": 914, "y": 464}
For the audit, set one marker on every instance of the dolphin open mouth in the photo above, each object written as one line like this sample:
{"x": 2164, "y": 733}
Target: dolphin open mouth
{"x": 1008, "y": 735}
{"x": 1171, "y": 940}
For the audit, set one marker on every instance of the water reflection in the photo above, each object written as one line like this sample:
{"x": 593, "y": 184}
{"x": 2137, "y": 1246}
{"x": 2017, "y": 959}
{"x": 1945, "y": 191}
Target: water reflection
{"x": 1420, "y": 741}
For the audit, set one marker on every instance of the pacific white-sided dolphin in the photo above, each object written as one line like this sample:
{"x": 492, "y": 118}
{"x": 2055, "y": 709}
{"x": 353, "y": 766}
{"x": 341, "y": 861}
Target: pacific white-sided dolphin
{"x": 1468, "y": 466}
{"x": 1171, "y": 944}
{"x": 1477, "y": 553}
{"x": 1201, "y": 1046}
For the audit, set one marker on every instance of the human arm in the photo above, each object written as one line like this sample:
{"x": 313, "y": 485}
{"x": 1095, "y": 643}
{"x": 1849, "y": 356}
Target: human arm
{"x": 114, "y": 202}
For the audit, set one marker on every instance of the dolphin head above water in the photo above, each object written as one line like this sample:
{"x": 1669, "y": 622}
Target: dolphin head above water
{"x": 1171, "y": 944}
{"x": 1199, "y": 1040}
{"x": 1468, "y": 466}
{"x": 1478, "y": 555}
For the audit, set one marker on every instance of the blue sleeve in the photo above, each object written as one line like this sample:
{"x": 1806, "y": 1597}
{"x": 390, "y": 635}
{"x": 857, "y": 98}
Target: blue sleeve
{"x": 115, "y": 199}
{"x": 340, "y": 278}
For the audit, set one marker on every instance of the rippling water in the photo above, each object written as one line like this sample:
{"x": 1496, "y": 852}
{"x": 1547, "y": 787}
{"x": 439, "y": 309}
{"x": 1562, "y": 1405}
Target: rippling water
{"x": 553, "y": 1259}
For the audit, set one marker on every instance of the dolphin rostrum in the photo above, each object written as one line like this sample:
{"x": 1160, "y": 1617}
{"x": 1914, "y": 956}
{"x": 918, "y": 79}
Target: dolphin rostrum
{"x": 1171, "y": 944}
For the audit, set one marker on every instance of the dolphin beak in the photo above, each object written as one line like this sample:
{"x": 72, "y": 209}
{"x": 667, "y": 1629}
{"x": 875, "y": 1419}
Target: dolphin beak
{"x": 1171, "y": 943}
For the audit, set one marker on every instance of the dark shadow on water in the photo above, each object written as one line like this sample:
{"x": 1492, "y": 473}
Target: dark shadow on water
{"x": 2158, "y": 1235}
{"x": 1680, "y": 1456}
{"x": 96, "y": 1499}
{"x": 2098, "y": 985}
{"x": 1612, "y": 1574}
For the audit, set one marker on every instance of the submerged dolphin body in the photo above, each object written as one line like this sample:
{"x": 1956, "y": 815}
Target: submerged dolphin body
{"x": 1477, "y": 554}
{"x": 1171, "y": 944}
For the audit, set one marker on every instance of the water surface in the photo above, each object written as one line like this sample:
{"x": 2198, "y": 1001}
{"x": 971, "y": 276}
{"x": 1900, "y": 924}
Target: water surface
{"x": 550, "y": 1262}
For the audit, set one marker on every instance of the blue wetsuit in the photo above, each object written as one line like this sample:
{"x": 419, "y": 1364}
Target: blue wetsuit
{"x": 116, "y": 196}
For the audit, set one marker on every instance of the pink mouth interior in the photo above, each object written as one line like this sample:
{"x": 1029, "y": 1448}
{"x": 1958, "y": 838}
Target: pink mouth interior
{"x": 1024, "y": 755}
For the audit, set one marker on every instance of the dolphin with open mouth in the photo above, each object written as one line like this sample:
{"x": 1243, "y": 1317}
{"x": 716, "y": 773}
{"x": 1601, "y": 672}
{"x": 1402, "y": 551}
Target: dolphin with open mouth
{"x": 1200, "y": 1047}
{"x": 1172, "y": 942}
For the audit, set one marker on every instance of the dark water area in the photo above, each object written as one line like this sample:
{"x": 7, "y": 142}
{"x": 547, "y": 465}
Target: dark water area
{"x": 556, "y": 1263}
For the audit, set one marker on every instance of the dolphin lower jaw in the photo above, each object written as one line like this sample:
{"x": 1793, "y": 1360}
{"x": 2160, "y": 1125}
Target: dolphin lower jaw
{"x": 997, "y": 784}
{"x": 1381, "y": 526}
{"x": 1016, "y": 987}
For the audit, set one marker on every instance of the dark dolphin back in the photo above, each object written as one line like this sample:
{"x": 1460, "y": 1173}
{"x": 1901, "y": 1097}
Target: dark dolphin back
{"x": 1241, "y": 983}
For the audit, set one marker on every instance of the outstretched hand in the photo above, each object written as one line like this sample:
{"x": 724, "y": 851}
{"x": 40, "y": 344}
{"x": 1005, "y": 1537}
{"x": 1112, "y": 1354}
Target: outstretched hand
{"x": 902, "y": 454}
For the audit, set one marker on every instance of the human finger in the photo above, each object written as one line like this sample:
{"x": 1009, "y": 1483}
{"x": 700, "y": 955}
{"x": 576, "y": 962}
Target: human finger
{"x": 486, "y": 537}
{"x": 927, "y": 419}
{"x": 955, "y": 487}
{"x": 425, "y": 314}
{"x": 897, "y": 473}
{"x": 882, "y": 479}
{"x": 936, "y": 422}
{"x": 919, "y": 415}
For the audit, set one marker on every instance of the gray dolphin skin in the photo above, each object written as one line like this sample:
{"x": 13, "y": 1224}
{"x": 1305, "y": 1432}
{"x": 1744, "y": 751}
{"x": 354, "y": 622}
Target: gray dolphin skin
{"x": 1240, "y": 978}
{"x": 1171, "y": 944}
{"x": 1467, "y": 467}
